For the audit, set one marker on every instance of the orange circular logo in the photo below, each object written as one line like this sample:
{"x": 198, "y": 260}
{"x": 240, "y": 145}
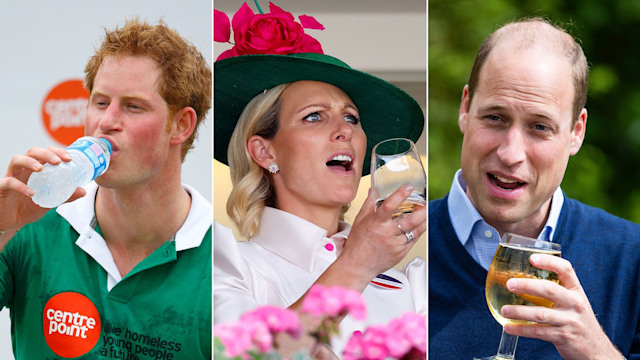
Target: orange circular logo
{"x": 64, "y": 110}
{"x": 71, "y": 324}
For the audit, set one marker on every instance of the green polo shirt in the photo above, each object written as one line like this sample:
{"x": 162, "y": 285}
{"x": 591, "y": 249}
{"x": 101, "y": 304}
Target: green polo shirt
{"x": 67, "y": 300}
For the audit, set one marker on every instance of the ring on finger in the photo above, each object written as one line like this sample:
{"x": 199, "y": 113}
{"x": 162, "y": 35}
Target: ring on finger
{"x": 409, "y": 236}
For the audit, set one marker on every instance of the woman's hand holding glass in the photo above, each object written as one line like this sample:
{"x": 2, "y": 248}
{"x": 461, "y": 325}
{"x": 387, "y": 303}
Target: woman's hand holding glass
{"x": 375, "y": 243}
{"x": 394, "y": 213}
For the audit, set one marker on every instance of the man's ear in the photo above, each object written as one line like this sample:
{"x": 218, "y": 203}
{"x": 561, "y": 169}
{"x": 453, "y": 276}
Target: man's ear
{"x": 463, "y": 113}
{"x": 183, "y": 125}
{"x": 260, "y": 151}
{"x": 578, "y": 132}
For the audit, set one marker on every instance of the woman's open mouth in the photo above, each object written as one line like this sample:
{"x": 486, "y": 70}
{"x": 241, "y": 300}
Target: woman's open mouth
{"x": 342, "y": 161}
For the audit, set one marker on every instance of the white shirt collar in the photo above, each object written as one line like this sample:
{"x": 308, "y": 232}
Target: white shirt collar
{"x": 462, "y": 213}
{"x": 293, "y": 238}
{"x": 549, "y": 229}
{"x": 80, "y": 215}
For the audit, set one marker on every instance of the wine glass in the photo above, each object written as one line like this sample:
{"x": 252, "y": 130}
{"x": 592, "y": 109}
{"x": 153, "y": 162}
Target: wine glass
{"x": 512, "y": 261}
{"x": 394, "y": 163}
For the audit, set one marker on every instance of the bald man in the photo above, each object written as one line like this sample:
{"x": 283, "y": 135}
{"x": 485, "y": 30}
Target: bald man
{"x": 522, "y": 117}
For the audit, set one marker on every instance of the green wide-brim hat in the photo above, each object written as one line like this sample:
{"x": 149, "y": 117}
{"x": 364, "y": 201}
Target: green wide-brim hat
{"x": 385, "y": 110}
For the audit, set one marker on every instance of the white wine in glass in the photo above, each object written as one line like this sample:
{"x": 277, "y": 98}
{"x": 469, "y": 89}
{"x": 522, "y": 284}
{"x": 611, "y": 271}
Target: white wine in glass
{"x": 394, "y": 163}
{"x": 501, "y": 270}
{"x": 511, "y": 260}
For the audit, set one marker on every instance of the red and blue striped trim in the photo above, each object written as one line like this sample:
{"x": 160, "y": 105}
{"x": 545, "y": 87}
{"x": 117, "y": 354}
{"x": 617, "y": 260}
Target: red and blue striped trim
{"x": 387, "y": 282}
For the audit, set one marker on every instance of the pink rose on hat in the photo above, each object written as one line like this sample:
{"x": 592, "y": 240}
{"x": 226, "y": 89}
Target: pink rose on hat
{"x": 275, "y": 33}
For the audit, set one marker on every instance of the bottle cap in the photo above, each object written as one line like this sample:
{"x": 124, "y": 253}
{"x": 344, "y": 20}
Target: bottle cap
{"x": 109, "y": 146}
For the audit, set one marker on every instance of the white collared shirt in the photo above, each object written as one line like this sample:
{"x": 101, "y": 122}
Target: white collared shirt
{"x": 81, "y": 213}
{"x": 286, "y": 256}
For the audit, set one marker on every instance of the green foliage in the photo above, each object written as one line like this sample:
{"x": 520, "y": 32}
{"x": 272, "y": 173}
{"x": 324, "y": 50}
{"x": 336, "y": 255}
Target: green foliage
{"x": 218, "y": 350}
{"x": 604, "y": 172}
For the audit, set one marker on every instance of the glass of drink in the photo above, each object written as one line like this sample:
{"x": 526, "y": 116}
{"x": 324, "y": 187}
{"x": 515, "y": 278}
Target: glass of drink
{"x": 394, "y": 163}
{"x": 512, "y": 261}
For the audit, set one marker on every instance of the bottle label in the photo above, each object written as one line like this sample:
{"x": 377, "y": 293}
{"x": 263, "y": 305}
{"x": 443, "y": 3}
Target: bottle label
{"x": 94, "y": 153}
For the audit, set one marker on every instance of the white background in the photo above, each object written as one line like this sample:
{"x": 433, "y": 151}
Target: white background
{"x": 46, "y": 42}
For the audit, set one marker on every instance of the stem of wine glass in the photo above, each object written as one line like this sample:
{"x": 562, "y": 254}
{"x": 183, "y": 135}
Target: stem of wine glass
{"x": 507, "y": 348}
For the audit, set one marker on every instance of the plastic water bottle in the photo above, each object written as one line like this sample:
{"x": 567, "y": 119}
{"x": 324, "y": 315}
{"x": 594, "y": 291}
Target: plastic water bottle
{"x": 56, "y": 183}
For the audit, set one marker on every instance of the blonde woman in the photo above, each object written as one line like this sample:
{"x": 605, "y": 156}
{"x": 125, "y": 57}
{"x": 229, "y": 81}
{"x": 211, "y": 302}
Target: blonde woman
{"x": 296, "y": 156}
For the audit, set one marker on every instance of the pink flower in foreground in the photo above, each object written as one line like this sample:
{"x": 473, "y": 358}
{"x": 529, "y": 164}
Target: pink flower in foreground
{"x": 256, "y": 331}
{"x": 334, "y": 301}
{"x": 276, "y": 319}
{"x": 405, "y": 333}
{"x": 354, "y": 347}
{"x": 375, "y": 339}
{"x": 236, "y": 338}
{"x": 261, "y": 336}
{"x": 274, "y": 33}
{"x": 402, "y": 338}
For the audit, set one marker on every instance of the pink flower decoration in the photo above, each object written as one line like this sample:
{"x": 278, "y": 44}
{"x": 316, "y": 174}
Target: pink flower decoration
{"x": 334, "y": 301}
{"x": 309, "y": 22}
{"x": 275, "y": 33}
{"x": 221, "y": 29}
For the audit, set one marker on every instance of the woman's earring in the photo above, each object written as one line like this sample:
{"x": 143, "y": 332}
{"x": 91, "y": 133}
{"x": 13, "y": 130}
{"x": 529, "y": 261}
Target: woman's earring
{"x": 273, "y": 168}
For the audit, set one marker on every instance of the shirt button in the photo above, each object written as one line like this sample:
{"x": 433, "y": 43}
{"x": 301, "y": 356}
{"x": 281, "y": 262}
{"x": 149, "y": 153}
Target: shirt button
{"x": 357, "y": 332}
{"x": 329, "y": 247}
{"x": 487, "y": 233}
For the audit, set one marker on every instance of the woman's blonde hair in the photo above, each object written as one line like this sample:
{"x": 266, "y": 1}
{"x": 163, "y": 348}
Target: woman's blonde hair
{"x": 252, "y": 188}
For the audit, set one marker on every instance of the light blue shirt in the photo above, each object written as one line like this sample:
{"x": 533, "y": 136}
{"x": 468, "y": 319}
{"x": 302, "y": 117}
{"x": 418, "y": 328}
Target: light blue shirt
{"x": 478, "y": 237}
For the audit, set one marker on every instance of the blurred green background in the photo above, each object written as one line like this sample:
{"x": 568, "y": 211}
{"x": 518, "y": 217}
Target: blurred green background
{"x": 604, "y": 172}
